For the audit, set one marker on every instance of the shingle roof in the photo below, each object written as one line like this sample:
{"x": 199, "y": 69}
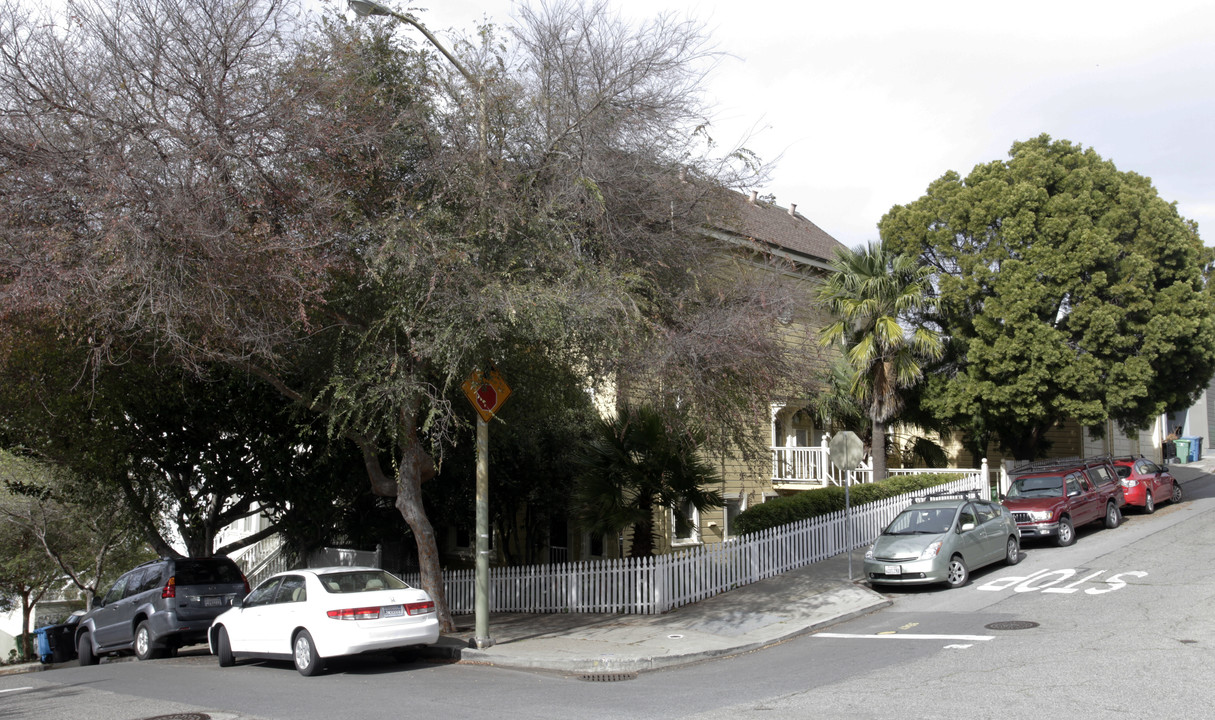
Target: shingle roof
{"x": 773, "y": 225}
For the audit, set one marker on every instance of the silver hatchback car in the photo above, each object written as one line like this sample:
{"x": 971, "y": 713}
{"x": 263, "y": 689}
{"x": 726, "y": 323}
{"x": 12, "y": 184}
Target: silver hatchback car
{"x": 942, "y": 540}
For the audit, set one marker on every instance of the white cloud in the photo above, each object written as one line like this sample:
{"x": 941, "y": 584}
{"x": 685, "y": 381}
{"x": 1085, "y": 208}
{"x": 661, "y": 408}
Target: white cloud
{"x": 867, "y": 103}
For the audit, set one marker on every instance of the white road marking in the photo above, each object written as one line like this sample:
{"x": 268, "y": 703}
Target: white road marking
{"x": 16, "y": 689}
{"x": 907, "y": 636}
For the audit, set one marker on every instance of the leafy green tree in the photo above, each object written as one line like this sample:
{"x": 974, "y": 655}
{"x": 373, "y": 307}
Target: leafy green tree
{"x": 636, "y": 465}
{"x": 27, "y": 572}
{"x": 88, "y": 534}
{"x": 1066, "y": 288}
{"x": 169, "y": 450}
{"x": 875, "y": 294}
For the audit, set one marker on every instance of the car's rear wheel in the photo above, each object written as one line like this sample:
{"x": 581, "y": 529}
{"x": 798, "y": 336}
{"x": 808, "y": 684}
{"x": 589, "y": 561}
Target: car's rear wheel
{"x": 1176, "y": 492}
{"x": 306, "y": 660}
{"x": 1067, "y": 533}
{"x": 1149, "y": 505}
{"x": 223, "y": 648}
{"x": 1012, "y": 551}
{"x": 84, "y": 651}
{"x": 958, "y": 573}
{"x": 1112, "y": 516}
{"x": 144, "y": 648}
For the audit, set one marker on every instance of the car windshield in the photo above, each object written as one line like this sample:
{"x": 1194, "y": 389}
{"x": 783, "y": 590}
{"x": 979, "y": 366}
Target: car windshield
{"x": 921, "y": 521}
{"x": 356, "y": 581}
{"x": 1029, "y": 487}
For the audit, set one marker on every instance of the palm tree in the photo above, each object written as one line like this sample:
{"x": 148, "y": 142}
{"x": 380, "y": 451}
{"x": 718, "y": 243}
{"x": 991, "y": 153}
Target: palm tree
{"x": 875, "y": 296}
{"x": 636, "y": 464}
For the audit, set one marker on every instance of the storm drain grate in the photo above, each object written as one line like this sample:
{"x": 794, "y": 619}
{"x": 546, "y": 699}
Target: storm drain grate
{"x": 1012, "y": 625}
{"x": 181, "y": 716}
{"x": 608, "y": 677}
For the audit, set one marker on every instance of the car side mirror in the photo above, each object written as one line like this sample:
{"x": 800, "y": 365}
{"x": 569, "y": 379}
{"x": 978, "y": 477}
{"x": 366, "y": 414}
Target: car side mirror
{"x": 966, "y": 527}
{"x": 238, "y": 601}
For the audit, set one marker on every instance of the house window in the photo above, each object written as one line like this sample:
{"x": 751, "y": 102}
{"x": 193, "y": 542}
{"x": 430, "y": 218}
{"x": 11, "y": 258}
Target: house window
{"x": 597, "y": 545}
{"x": 687, "y": 528}
{"x": 734, "y": 506}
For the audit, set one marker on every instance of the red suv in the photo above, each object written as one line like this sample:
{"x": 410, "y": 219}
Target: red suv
{"x": 1144, "y": 483}
{"x": 1053, "y": 498}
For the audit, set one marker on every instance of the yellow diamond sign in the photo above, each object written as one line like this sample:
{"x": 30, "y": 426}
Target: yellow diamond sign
{"x": 486, "y": 391}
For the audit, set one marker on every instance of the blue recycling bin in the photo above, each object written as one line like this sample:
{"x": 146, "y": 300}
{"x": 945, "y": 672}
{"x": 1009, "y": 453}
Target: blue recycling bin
{"x": 1195, "y": 452}
{"x": 44, "y": 644}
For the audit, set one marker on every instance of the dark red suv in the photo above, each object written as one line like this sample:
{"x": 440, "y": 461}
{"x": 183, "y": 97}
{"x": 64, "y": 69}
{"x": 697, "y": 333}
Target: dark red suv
{"x": 1053, "y": 498}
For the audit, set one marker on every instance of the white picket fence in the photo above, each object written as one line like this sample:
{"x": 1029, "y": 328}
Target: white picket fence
{"x": 658, "y": 584}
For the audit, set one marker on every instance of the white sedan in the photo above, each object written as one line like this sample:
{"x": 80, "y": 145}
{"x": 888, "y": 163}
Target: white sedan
{"x": 318, "y": 613}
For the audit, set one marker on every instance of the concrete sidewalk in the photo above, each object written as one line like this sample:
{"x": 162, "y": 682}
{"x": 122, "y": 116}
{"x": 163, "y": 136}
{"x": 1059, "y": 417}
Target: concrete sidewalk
{"x": 737, "y": 621}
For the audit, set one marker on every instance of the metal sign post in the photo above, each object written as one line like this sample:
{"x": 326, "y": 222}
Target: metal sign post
{"x": 846, "y": 452}
{"x": 486, "y": 392}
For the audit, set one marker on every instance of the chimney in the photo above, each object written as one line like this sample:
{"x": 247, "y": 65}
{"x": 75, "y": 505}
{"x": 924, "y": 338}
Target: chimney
{"x": 793, "y": 209}
{"x": 754, "y": 197}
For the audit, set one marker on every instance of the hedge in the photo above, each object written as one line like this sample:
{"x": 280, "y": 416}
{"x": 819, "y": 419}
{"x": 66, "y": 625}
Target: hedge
{"x": 812, "y": 503}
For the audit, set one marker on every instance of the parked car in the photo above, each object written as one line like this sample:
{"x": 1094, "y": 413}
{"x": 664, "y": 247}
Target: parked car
{"x": 1144, "y": 483}
{"x": 942, "y": 540}
{"x": 309, "y": 616}
{"x": 1053, "y": 498}
{"x": 159, "y": 607}
{"x": 56, "y": 643}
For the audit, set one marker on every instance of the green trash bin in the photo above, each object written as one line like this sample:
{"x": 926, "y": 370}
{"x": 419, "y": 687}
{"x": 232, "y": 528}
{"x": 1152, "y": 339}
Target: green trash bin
{"x": 1183, "y": 449}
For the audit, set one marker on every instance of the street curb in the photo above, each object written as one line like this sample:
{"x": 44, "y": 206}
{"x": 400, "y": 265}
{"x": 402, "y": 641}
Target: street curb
{"x": 24, "y": 668}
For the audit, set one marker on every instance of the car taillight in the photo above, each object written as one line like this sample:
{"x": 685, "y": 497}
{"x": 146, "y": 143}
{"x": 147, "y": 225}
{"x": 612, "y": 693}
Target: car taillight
{"x": 170, "y": 589}
{"x": 367, "y": 613}
{"x": 420, "y": 608}
{"x": 245, "y": 580}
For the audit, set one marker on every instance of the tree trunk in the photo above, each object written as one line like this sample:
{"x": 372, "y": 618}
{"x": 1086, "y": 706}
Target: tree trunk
{"x": 409, "y": 503}
{"x": 878, "y": 449}
{"x": 643, "y": 533}
{"x": 27, "y": 609}
{"x": 1027, "y": 446}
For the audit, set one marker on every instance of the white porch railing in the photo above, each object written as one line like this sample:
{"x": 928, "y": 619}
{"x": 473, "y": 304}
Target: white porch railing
{"x": 658, "y": 584}
{"x": 810, "y": 467}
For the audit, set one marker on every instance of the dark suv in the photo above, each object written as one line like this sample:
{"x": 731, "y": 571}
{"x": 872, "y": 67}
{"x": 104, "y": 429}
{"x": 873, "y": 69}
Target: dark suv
{"x": 1053, "y": 498}
{"x": 159, "y": 607}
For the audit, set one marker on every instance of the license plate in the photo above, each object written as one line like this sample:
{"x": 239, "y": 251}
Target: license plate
{"x": 213, "y": 601}
{"x": 392, "y": 611}
{"x": 894, "y": 570}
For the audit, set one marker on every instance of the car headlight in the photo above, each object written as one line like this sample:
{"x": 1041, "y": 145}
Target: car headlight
{"x": 931, "y": 551}
{"x": 869, "y": 553}
{"x": 1039, "y": 515}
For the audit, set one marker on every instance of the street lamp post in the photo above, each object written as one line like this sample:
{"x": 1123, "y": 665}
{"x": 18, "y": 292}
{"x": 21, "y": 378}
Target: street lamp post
{"x": 482, "y": 640}
{"x": 363, "y": 8}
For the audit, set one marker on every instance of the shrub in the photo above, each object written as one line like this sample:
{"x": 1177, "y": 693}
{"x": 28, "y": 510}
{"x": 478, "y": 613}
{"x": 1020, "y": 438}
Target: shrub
{"x": 812, "y": 503}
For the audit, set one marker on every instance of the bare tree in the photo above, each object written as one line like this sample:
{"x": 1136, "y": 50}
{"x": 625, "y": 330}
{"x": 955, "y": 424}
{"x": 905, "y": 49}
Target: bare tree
{"x": 328, "y": 208}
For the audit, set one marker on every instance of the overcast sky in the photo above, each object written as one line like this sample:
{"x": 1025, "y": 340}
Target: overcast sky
{"x": 866, "y": 103}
